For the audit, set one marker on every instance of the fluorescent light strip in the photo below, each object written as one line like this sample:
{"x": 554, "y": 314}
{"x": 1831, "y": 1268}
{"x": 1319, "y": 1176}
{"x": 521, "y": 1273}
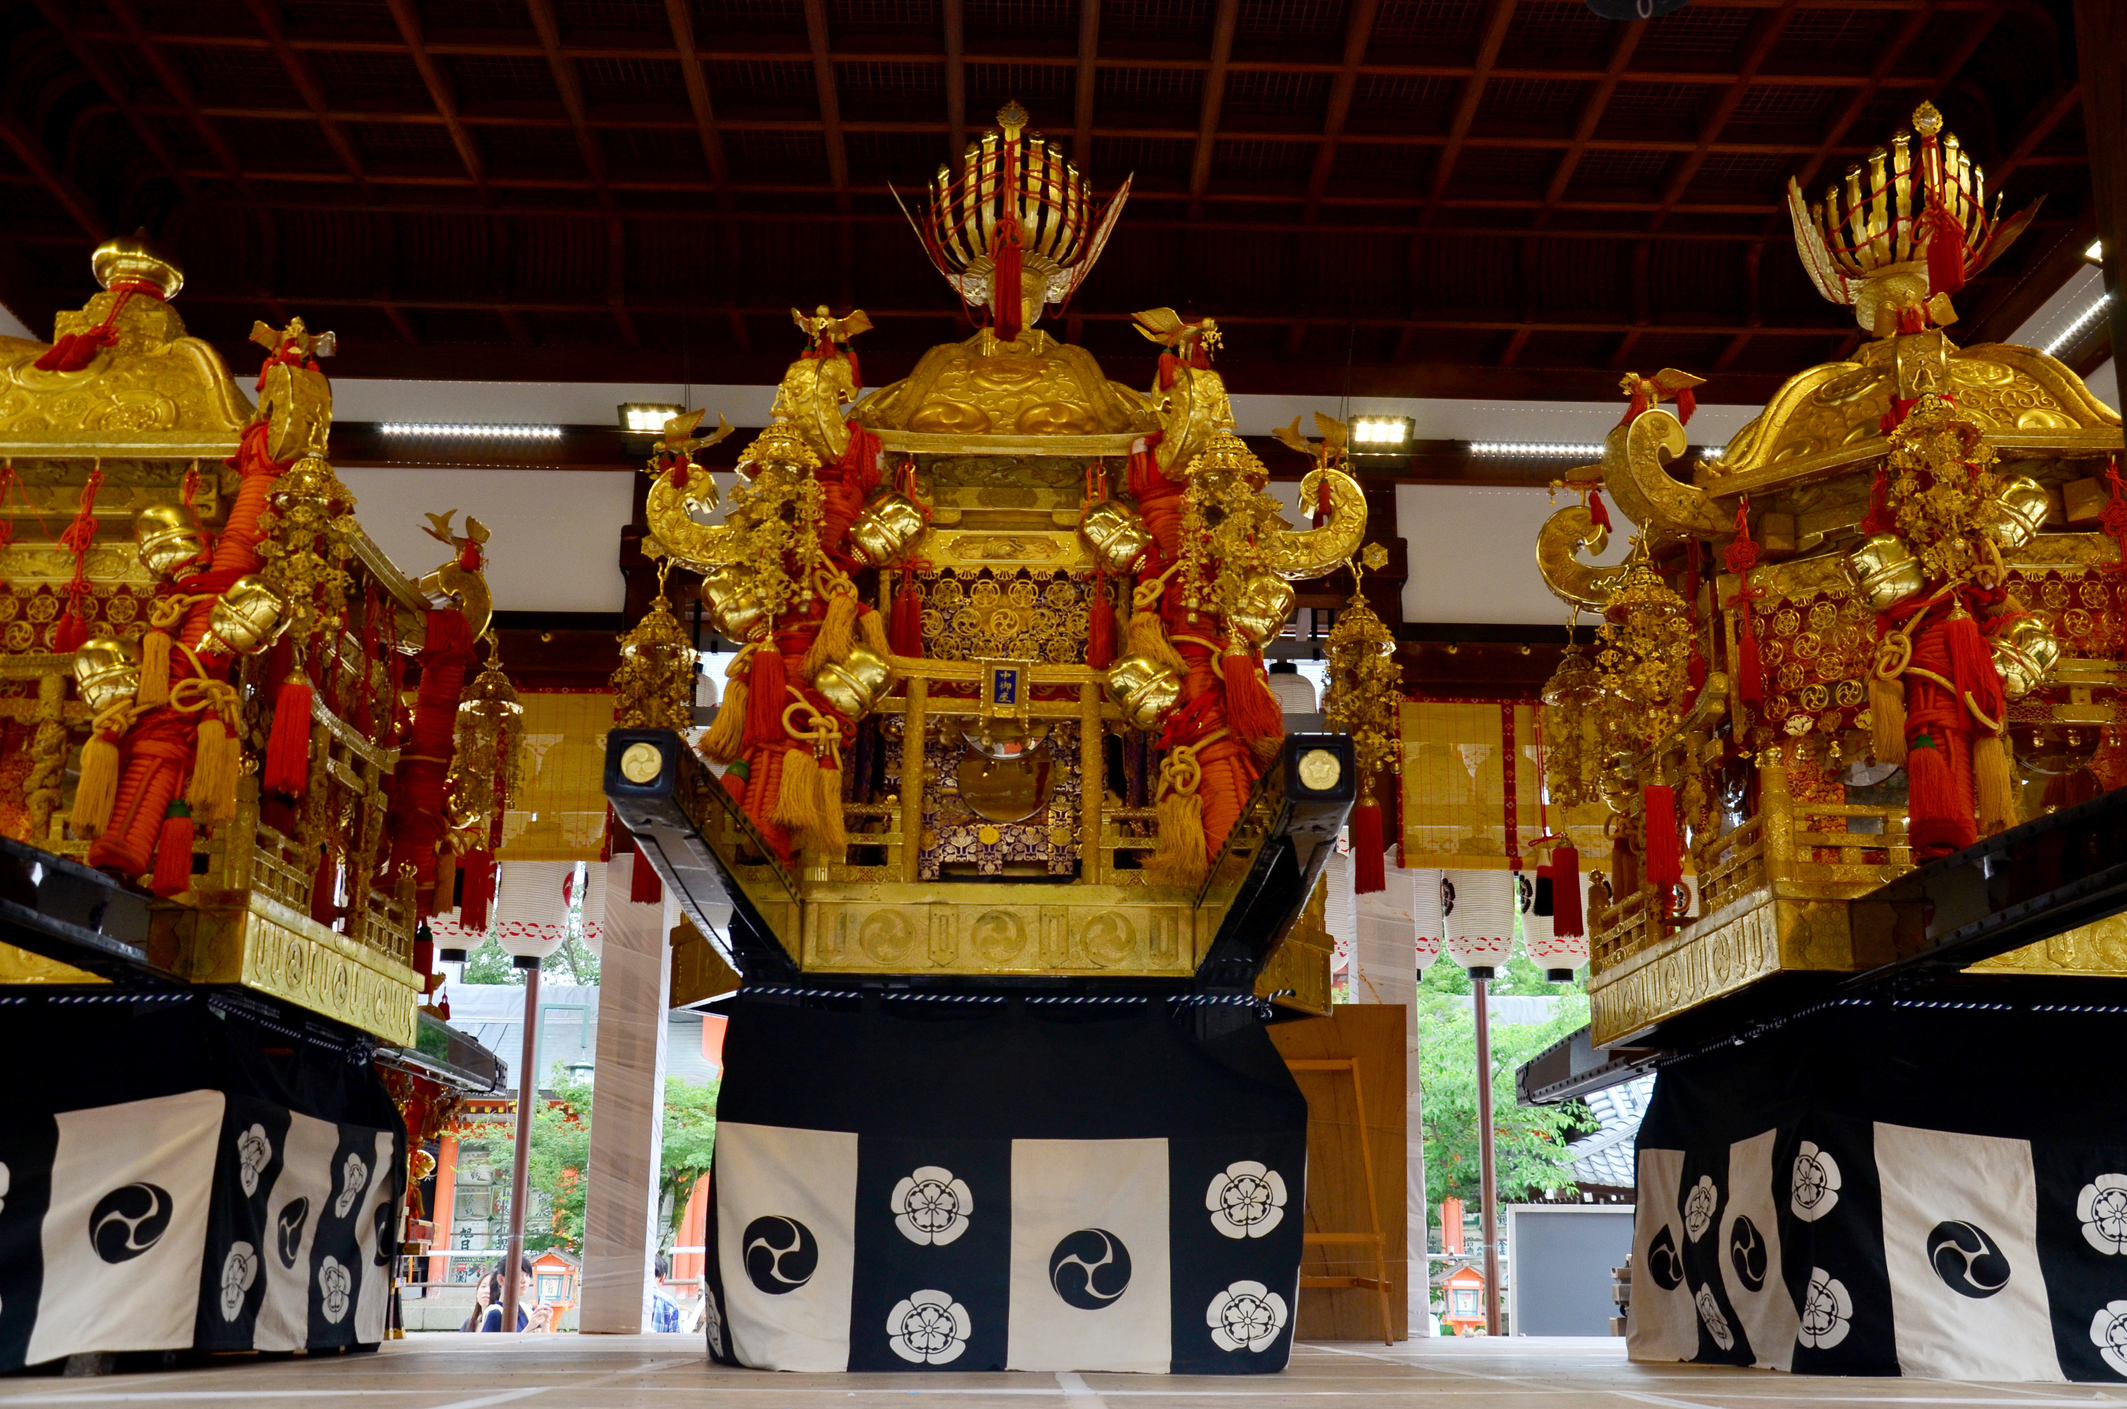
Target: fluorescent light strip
{"x": 434, "y": 430}
{"x": 1533, "y": 447}
{"x": 2075, "y": 330}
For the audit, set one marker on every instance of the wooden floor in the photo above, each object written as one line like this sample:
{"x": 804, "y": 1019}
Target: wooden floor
{"x": 448, "y": 1371}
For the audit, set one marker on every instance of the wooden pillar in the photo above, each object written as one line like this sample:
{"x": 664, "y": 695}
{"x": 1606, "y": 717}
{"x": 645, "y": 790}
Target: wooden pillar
{"x": 627, "y": 1120}
{"x": 444, "y": 1206}
{"x": 2101, "y": 56}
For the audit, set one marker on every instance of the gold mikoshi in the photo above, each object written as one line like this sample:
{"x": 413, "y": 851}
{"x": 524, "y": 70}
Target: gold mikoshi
{"x": 1115, "y": 535}
{"x": 855, "y": 685}
{"x": 888, "y": 527}
{"x": 247, "y": 618}
{"x": 1265, "y": 602}
{"x": 2025, "y": 654}
{"x": 166, "y": 537}
{"x": 1885, "y": 571}
{"x": 735, "y": 608}
{"x": 106, "y": 672}
{"x": 2015, "y": 514}
{"x": 1143, "y": 689}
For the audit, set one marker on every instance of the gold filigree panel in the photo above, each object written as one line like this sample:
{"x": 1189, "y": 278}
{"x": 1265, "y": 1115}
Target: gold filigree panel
{"x": 997, "y": 934}
{"x": 270, "y": 948}
{"x": 980, "y": 613}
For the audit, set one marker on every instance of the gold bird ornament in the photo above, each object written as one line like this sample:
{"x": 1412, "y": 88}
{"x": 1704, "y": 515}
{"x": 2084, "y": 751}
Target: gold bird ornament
{"x": 1327, "y": 452}
{"x": 823, "y": 328}
{"x": 1648, "y": 392}
{"x": 1192, "y": 343}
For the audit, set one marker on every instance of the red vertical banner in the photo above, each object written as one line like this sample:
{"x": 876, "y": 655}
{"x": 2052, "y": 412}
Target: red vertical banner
{"x": 1506, "y": 767}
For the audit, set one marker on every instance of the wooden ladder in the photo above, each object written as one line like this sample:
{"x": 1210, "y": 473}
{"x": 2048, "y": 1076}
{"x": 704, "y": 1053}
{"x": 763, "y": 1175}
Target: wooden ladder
{"x": 1378, "y": 1283}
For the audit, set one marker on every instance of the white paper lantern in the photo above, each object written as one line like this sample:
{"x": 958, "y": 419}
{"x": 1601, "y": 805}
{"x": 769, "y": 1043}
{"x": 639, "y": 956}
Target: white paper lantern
{"x": 1425, "y": 916}
{"x": 531, "y": 909}
{"x": 1477, "y": 913}
{"x": 1559, "y": 954}
{"x": 1294, "y": 692}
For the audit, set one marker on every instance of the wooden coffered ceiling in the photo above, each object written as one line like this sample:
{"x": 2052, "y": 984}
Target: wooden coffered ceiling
{"x": 1393, "y": 197}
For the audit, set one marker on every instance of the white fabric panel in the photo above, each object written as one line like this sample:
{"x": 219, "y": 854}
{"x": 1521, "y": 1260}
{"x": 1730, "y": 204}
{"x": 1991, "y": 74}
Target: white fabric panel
{"x": 1385, "y": 937}
{"x": 1662, "y": 1324}
{"x": 298, "y": 1200}
{"x": 1340, "y": 915}
{"x": 127, "y": 1226}
{"x": 1477, "y": 912}
{"x": 1425, "y": 915}
{"x": 1751, "y": 1254}
{"x": 1960, "y": 1240}
{"x": 808, "y": 1177}
{"x": 1116, "y": 1187}
{"x": 374, "y": 1296}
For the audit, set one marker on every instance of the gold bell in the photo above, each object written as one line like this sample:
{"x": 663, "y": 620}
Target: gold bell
{"x": 734, "y": 607}
{"x": 1143, "y": 689}
{"x": 1115, "y": 535}
{"x": 167, "y": 537}
{"x": 134, "y": 260}
{"x": 1885, "y": 571}
{"x": 2016, "y": 514}
{"x": 888, "y": 527}
{"x": 1259, "y": 615}
{"x": 2025, "y": 654}
{"x": 853, "y": 686}
{"x": 247, "y": 618}
{"x": 106, "y": 672}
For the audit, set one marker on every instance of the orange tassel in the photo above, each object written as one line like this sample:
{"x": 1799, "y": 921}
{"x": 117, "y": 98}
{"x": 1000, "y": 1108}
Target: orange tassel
{"x": 1665, "y": 860}
{"x": 97, "y": 792}
{"x": 1250, "y": 707}
{"x": 154, "y": 669}
{"x": 288, "y": 748}
{"x": 173, "y": 853}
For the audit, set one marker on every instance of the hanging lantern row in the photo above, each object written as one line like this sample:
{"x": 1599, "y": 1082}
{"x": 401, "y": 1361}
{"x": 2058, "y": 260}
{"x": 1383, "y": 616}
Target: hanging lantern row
{"x": 1471, "y": 915}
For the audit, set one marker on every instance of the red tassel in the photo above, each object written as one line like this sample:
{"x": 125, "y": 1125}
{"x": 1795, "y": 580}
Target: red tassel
{"x": 73, "y": 631}
{"x": 1750, "y": 666}
{"x": 1686, "y": 403}
{"x": 1368, "y": 873}
{"x": 766, "y": 691}
{"x": 424, "y": 951}
{"x": 75, "y": 351}
{"x": 1100, "y": 626}
{"x": 1565, "y": 891}
{"x": 1878, "y": 519}
{"x": 478, "y": 868}
{"x": 1597, "y": 514}
{"x": 288, "y": 748}
{"x": 1942, "y": 820}
{"x": 1665, "y": 860}
{"x": 1005, "y": 292}
{"x": 1250, "y": 707}
{"x": 644, "y": 888}
{"x": 904, "y": 626}
{"x": 173, "y": 852}
{"x": 324, "y": 905}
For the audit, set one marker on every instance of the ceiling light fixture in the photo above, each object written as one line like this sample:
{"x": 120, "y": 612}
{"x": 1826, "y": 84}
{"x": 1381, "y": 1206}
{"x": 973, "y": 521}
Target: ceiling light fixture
{"x": 2096, "y": 253}
{"x": 1533, "y": 447}
{"x": 647, "y": 417}
{"x": 2075, "y": 330}
{"x": 432, "y": 430}
{"x": 1381, "y": 435}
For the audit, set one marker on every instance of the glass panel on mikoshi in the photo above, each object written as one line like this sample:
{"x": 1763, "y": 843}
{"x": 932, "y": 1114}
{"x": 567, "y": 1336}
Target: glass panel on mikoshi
{"x": 1558, "y": 954}
{"x": 1425, "y": 915}
{"x": 1477, "y": 912}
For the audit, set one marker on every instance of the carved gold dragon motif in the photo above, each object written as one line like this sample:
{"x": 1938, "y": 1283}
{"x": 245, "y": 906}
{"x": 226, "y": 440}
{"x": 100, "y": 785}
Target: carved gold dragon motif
{"x": 1299, "y": 554}
{"x": 1558, "y": 545}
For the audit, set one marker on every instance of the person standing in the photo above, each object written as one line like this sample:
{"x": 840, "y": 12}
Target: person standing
{"x": 664, "y": 1311}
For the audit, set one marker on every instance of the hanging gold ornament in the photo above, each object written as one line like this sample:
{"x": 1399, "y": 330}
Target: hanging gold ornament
{"x": 1643, "y": 658}
{"x": 1365, "y": 687}
{"x": 1573, "y": 730}
{"x": 1942, "y": 496}
{"x": 487, "y": 740}
{"x": 306, "y": 537}
{"x": 1226, "y": 521}
{"x": 654, "y": 687}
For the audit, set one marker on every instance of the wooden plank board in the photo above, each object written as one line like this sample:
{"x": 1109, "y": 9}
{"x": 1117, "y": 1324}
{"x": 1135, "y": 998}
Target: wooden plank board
{"x": 1336, "y": 1182}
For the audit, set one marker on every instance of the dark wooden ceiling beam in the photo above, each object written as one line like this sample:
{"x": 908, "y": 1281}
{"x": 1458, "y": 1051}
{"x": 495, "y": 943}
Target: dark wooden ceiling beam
{"x": 119, "y": 92}
{"x": 825, "y": 86}
{"x": 680, "y": 14}
{"x": 1214, "y": 96}
{"x": 569, "y": 84}
{"x": 266, "y": 15}
{"x": 29, "y": 149}
{"x": 438, "y": 84}
{"x": 1497, "y": 18}
{"x": 1087, "y": 83}
{"x": 178, "y": 86}
{"x": 1592, "y": 106}
{"x": 1358, "y": 33}
{"x": 2063, "y": 98}
{"x": 1756, "y": 49}
{"x": 954, "y": 15}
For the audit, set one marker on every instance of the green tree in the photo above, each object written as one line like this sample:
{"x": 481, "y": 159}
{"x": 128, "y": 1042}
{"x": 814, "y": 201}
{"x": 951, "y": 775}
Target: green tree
{"x": 561, "y": 1157}
{"x": 1529, "y": 1142}
{"x": 490, "y": 963}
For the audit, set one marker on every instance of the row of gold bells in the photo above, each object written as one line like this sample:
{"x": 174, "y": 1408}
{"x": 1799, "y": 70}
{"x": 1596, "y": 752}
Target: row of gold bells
{"x": 1888, "y": 576}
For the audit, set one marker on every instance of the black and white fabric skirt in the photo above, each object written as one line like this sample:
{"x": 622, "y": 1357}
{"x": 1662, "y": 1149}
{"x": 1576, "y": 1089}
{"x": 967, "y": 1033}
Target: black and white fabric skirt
{"x": 1030, "y": 1187}
{"x": 1886, "y": 1189}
